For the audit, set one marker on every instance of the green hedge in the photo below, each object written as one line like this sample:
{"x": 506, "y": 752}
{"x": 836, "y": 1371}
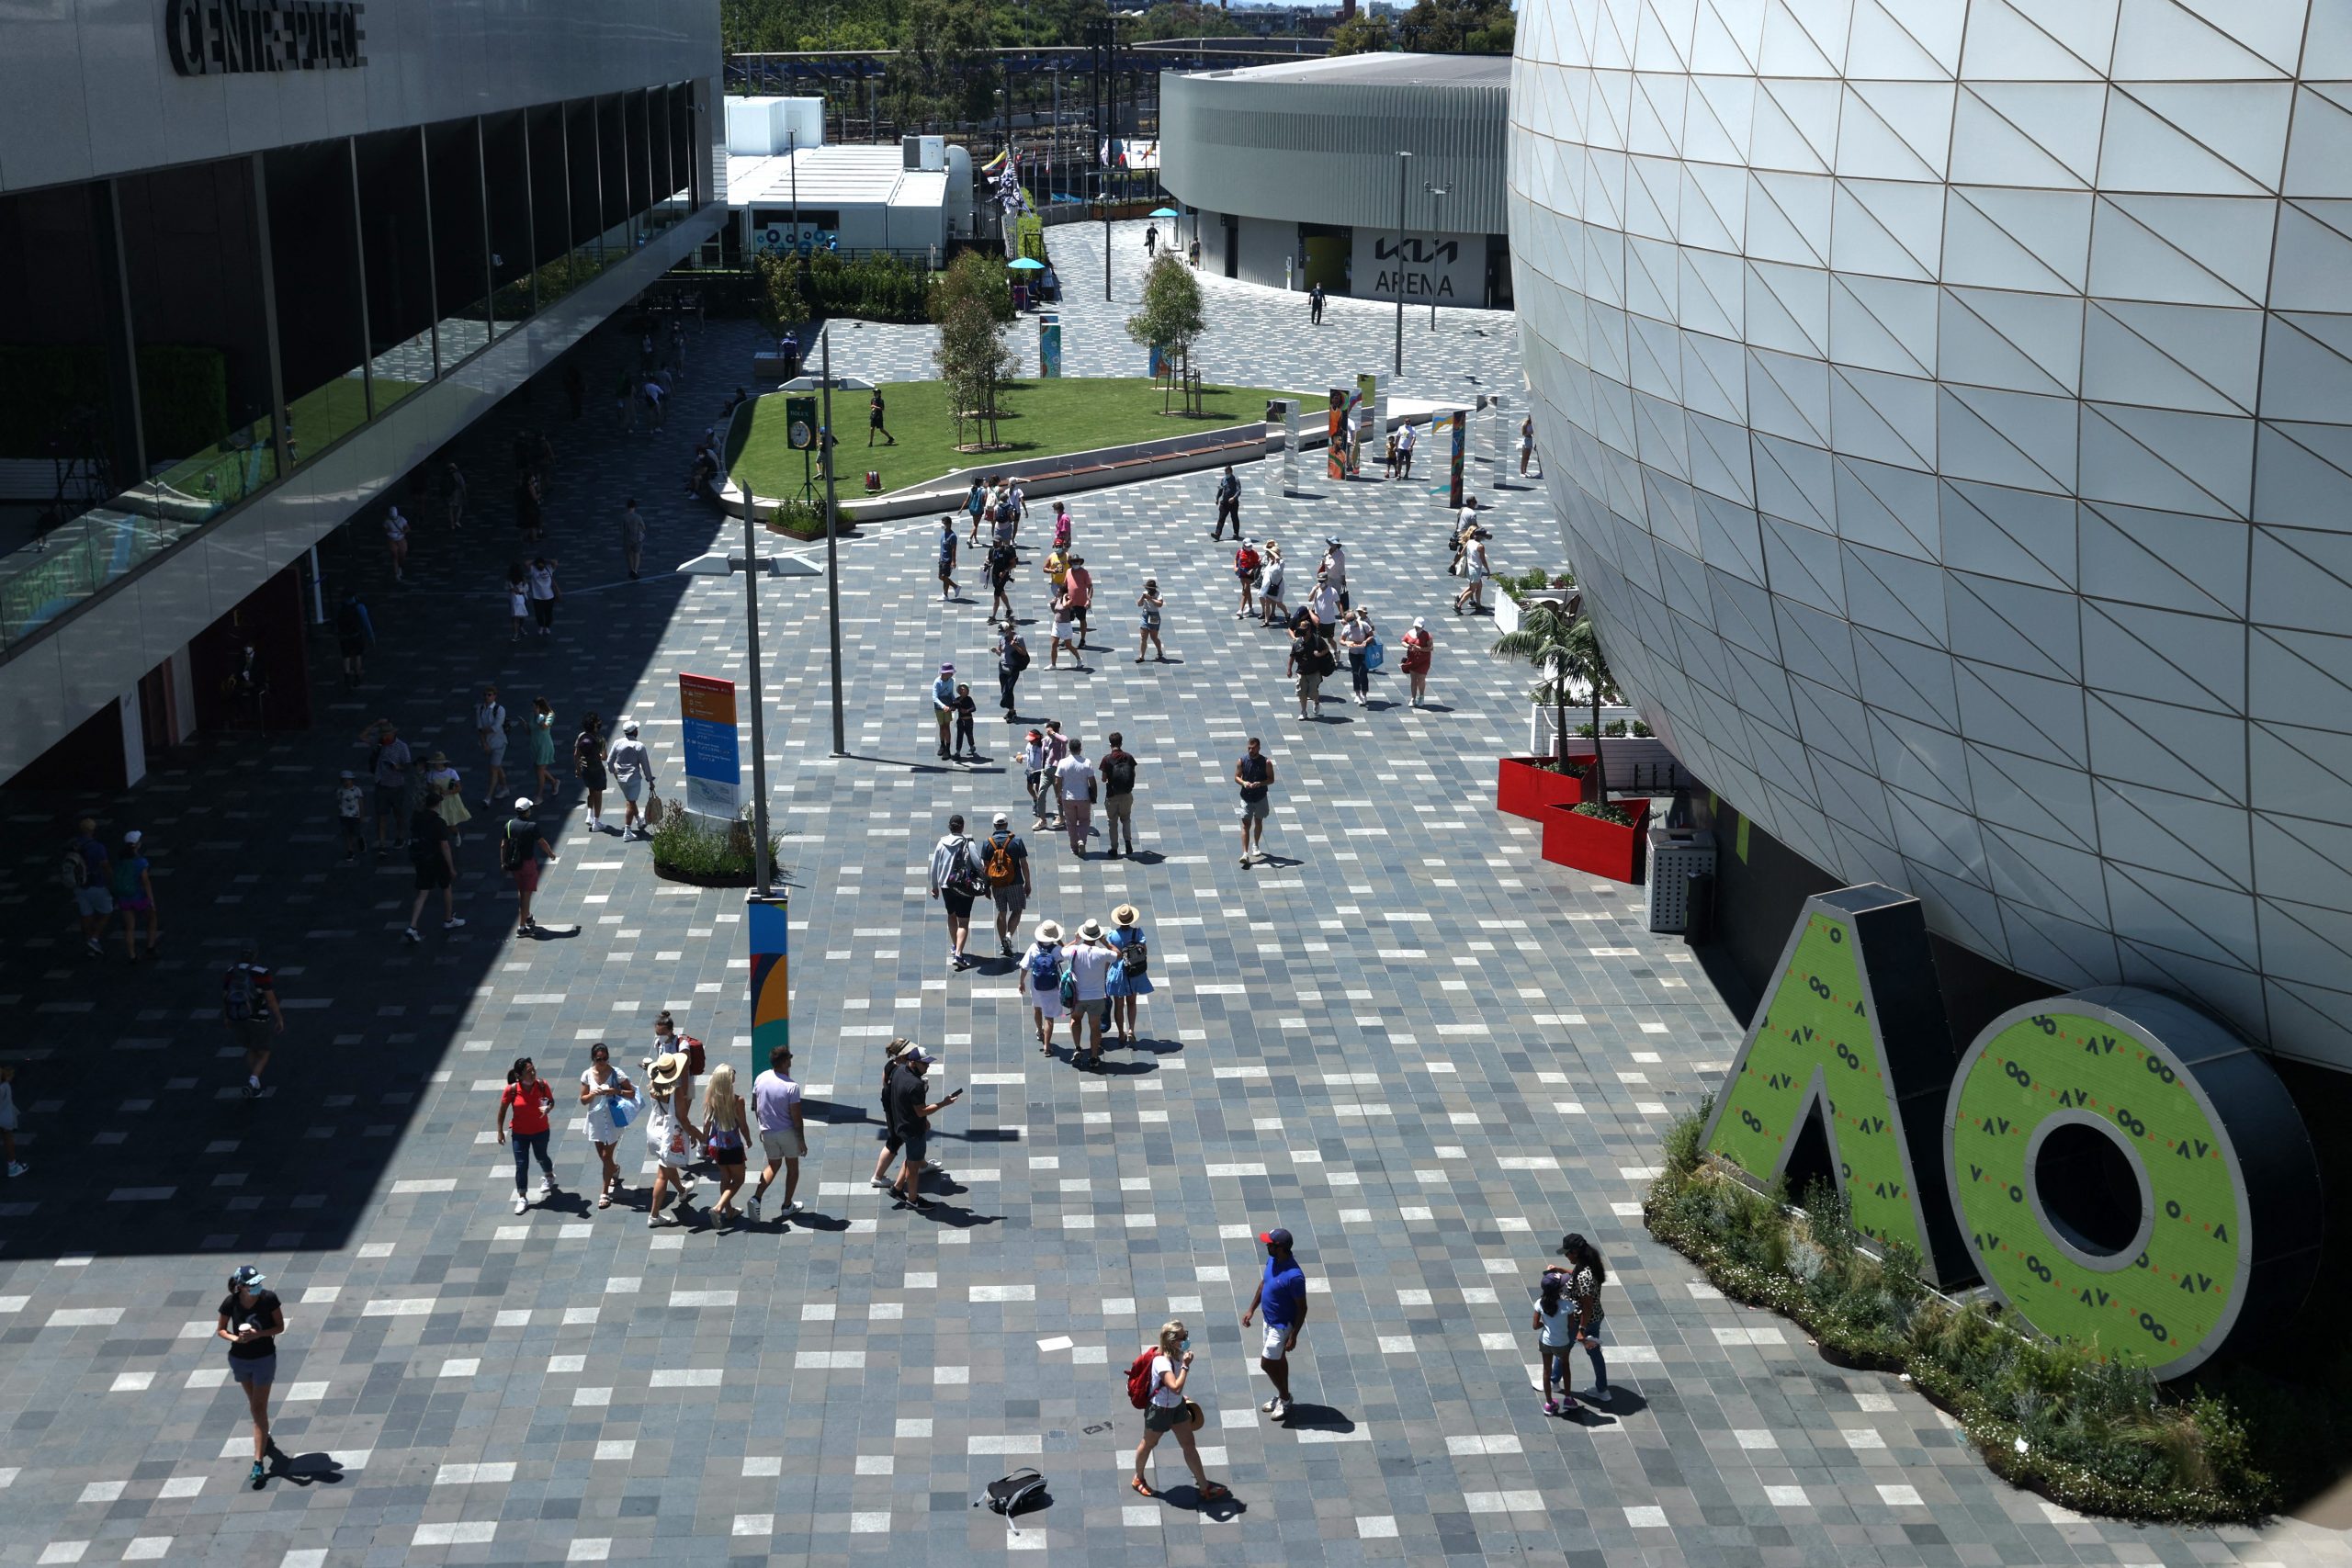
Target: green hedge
{"x": 183, "y": 395}
{"x": 2097, "y": 1436}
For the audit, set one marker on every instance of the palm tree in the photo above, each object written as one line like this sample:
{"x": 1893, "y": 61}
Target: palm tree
{"x": 1567, "y": 650}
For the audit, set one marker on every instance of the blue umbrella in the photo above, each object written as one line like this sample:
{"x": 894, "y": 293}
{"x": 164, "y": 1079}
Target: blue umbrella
{"x": 1025, "y": 263}
{"x": 1165, "y": 212}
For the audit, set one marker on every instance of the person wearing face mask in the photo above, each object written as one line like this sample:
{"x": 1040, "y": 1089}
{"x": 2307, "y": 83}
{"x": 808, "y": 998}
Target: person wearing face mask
{"x": 1282, "y": 1296}
{"x": 1167, "y": 1410}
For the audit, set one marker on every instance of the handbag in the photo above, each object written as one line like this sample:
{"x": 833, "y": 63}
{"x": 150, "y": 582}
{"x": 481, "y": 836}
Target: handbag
{"x": 1374, "y": 656}
{"x": 622, "y": 1109}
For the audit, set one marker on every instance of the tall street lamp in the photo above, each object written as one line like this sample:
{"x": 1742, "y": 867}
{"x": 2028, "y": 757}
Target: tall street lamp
{"x": 1436, "y": 193}
{"x": 1404, "y": 162}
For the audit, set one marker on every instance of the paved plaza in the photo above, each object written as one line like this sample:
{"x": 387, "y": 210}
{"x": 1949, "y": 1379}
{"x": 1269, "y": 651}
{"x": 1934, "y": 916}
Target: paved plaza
{"x": 1406, "y": 1038}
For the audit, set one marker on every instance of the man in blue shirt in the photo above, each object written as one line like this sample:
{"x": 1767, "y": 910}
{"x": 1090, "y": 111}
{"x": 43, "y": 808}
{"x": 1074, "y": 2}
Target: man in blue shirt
{"x": 1282, "y": 1295}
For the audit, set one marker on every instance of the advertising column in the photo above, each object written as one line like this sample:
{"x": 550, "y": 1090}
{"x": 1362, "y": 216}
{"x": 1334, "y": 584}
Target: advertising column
{"x": 766, "y": 926}
{"x": 713, "y": 744}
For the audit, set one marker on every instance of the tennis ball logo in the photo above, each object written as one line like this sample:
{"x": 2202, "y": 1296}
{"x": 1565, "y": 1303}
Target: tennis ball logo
{"x": 2119, "y": 1167}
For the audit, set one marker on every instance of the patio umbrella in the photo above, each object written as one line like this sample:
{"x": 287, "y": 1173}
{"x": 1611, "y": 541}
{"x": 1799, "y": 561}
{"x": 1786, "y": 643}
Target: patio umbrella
{"x": 1025, "y": 263}
{"x": 1165, "y": 212}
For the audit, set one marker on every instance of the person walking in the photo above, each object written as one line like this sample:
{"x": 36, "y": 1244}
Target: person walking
{"x": 389, "y": 760}
{"x": 966, "y": 708}
{"x": 891, "y": 1145}
{"x": 1064, "y": 527}
{"x": 670, "y": 1138}
{"x": 726, "y": 1137}
{"x": 1314, "y": 306}
{"x": 784, "y": 1131}
{"x": 251, "y": 1319}
{"x": 1040, "y": 978}
{"x": 1004, "y": 868}
{"x": 518, "y": 602}
{"x": 1472, "y": 599}
{"x": 522, "y": 848}
{"x": 976, "y": 506}
{"x": 453, "y": 496}
{"x": 1087, "y": 961}
{"x": 947, "y": 589}
{"x": 1001, "y": 562}
{"x": 632, "y": 538}
{"x": 1037, "y": 767}
{"x": 874, "y": 427}
{"x": 1247, "y": 563}
{"x": 1281, "y": 1297}
{"x": 1011, "y": 659}
{"x": 249, "y": 1007}
{"x": 943, "y": 705}
{"x": 433, "y": 856}
{"x": 1148, "y": 605}
{"x": 1587, "y": 1274}
{"x": 588, "y": 766}
{"x": 1323, "y": 604}
{"x": 1228, "y": 505}
{"x": 956, "y": 881}
{"x": 1130, "y": 977}
{"x": 490, "y": 734}
{"x": 133, "y": 892}
{"x": 1150, "y": 239}
{"x": 1334, "y": 570}
{"x": 632, "y": 768}
{"x": 1553, "y": 1321}
{"x": 1271, "y": 607}
{"x": 1254, "y": 776}
{"x": 350, "y": 807}
{"x": 669, "y": 1039}
{"x": 396, "y": 531}
{"x": 1526, "y": 443}
{"x": 1419, "y": 649}
{"x": 543, "y": 594}
{"x": 607, "y": 1094}
{"x": 1080, "y": 585}
{"x": 530, "y": 517}
{"x": 1167, "y": 1410}
{"x": 1407, "y": 439}
{"x": 529, "y": 1097}
{"x": 910, "y": 1119}
{"x": 1076, "y": 783}
{"x": 354, "y": 630}
{"x": 543, "y": 746}
{"x": 1066, "y": 632}
{"x": 1118, "y": 775}
{"x": 1466, "y": 528}
{"x": 1355, "y": 641}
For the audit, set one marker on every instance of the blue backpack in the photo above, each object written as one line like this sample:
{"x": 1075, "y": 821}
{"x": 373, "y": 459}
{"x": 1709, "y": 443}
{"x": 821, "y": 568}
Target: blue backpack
{"x": 1043, "y": 967}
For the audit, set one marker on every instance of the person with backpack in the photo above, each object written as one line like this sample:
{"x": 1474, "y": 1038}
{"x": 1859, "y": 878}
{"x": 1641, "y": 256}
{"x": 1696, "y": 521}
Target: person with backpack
{"x": 134, "y": 895}
{"x": 955, "y": 882}
{"x": 1041, "y": 978}
{"x": 1118, "y": 774}
{"x": 1087, "y": 962}
{"x": 1269, "y": 585}
{"x": 1130, "y": 973}
{"x": 354, "y": 630}
{"x": 1228, "y": 505}
{"x": 1001, "y": 562}
{"x": 1011, "y": 659}
{"x": 1155, "y": 1386}
{"x": 1254, "y": 776}
{"x": 522, "y": 847}
{"x": 1004, "y": 868}
{"x": 947, "y": 589}
{"x": 249, "y": 1007}
{"x": 1246, "y": 562}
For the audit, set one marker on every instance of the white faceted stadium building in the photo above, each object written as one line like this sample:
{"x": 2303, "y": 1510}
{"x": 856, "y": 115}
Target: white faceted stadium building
{"x": 1949, "y": 404}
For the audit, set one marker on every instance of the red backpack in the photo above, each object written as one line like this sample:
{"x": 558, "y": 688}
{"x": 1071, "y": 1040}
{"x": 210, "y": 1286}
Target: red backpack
{"x": 1140, "y": 1376}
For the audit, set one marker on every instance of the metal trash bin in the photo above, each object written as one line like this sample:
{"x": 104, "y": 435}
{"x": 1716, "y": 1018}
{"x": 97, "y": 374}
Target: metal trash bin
{"x": 1698, "y": 908}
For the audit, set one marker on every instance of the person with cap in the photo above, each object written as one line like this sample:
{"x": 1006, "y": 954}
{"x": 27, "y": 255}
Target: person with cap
{"x": 350, "y": 811}
{"x": 396, "y": 530}
{"x": 1228, "y": 505}
{"x": 1076, "y": 784}
{"x": 1271, "y": 571}
{"x": 251, "y": 1319}
{"x": 1004, "y": 868}
{"x": 670, "y": 1138}
{"x": 911, "y": 1120}
{"x": 943, "y": 705}
{"x": 1118, "y": 773}
{"x": 1419, "y": 645}
{"x": 1130, "y": 975}
{"x": 1167, "y": 1410}
{"x": 956, "y": 881}
{"x": 1088, "y": 961}
{"x": 134, "y": 895}
{"x": 249, "y": 1007}
{"x": 1335, "y": 569}
{"x": 522, "y": 847}
{"x": 632, "y": 767}
{"x": 875, "y": 410}
{"x": 1254, "y": 776}
{"x": 490, "y": 733}
{"x": 1281, "y": 1297}
{"x": 433, "y": 857}
{"x": 1247, "y": 564}
{"x": 445, "y": 797}
{"x": 1041, "y": 978}
{"x": 1323, "y": 604}
{"x": 1011, "y": 659}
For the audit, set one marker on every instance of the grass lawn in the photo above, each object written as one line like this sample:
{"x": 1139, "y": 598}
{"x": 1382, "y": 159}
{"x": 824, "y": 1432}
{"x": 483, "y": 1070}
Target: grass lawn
{"x": 1042, "y": 419}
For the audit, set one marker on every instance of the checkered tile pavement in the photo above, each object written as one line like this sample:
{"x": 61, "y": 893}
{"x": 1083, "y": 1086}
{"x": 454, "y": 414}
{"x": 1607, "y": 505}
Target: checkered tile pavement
{"x": 1406, "y": 1038}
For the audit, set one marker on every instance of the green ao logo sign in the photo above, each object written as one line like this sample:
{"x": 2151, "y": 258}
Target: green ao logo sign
{"x": 2119, "y": 1167}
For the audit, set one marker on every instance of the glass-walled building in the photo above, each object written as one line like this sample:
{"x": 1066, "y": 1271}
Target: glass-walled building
{"x": 255, "y": 272}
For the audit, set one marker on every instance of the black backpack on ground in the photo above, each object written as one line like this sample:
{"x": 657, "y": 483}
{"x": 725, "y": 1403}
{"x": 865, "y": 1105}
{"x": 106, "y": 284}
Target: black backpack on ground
{"x": 1010, "y": 1494}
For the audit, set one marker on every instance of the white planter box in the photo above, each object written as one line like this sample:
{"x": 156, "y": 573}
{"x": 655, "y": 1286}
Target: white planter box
{"x": 1541, "y": 735}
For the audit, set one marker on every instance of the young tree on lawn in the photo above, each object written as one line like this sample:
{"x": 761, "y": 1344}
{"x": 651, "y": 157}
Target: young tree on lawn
{"x": 1170, "y": 317}
{"x": 1567, "y": 650}
{"x": 974, "y": 360}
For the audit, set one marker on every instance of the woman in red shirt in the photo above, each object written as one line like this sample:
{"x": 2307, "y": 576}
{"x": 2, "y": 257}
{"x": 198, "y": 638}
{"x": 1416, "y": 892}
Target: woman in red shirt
{"x": 1418, "y": 644}
{"x": 528, "y": 1097}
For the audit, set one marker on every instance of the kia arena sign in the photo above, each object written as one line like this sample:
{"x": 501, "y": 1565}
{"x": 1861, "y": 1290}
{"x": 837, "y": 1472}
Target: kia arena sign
{"x": 2119, "y": 1168}
{"x": 1449, "y": 269}
{"x": 221, "y": 38}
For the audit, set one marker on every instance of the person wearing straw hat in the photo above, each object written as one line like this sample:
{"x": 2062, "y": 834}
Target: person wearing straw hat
{"x": 1420, "y": 644}
{"x": 1088, "y": 961}
{"x": 1130, "y": 974}
{"x": 1040, "y": 977}
{"x": 670, "y": 1138}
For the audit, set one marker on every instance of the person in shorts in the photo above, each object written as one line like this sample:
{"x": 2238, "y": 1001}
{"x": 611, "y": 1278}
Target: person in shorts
{"x": 490, "y": 732}
{"x": 1165, "y": 1410}
{"x": 1254, "y": 776}
{"x": 251, "y": 1321}
{"x": 435, "y": 860}
{"x": 93, "y": 897}
{"x": 784, "y": 1130}
{"x": 632, "y": 768}
{"x": 350, "y": 814}
{"x": 1009, "y": 894}
{"x": 1281, "y": 1296}
{"x": 522, "y": 846}
{"x": 249, "y": 1007}
{"x": 1088, "y": 959}
{"x": 911, "y": 1120}
{"x": 956, "y": 881}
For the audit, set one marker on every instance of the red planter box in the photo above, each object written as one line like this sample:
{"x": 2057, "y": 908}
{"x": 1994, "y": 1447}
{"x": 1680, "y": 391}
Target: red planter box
{"x": 1524, "y": 788}
{"x": 1588, "y": 843}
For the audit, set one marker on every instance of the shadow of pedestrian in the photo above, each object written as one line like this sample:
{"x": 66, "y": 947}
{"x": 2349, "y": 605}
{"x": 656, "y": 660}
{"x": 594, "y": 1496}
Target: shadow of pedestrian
{"x": 306, "y": 1469}
{"x": 1305, "y": 1418}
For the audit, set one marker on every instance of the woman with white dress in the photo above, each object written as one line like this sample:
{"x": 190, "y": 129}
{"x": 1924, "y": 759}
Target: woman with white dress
{"x": 602, "y": 1088}
{"x": 670, "y": 1138}
{"x": 1040, "y": 977}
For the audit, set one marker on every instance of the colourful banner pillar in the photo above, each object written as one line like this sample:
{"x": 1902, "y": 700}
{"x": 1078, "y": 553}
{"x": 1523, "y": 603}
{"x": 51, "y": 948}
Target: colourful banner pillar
{"x": 1457, "y": 443}
{"x": 766, "y": 927}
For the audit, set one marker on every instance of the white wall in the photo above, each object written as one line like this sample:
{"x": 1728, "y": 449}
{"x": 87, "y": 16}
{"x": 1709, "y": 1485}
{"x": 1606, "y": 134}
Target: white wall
{"x": 87, "y": 88}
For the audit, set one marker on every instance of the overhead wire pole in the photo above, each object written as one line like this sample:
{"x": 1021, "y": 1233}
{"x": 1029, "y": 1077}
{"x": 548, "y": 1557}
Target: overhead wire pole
{"x": 758, "y": 731}
{"x": 832, "y": 553}
{"x": 1110, "y": 140}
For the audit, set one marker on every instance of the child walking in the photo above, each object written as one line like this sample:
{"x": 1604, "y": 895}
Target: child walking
{"x": 965, "y": 707}
{"x": 1554, "y": 1324}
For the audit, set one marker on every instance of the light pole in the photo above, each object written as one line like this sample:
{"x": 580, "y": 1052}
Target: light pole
{"x": 1436, "y": 193}
{"x": 1403, "y": 163}
{"x": 832, "y": 526}
{"x": 762, "y": 870}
